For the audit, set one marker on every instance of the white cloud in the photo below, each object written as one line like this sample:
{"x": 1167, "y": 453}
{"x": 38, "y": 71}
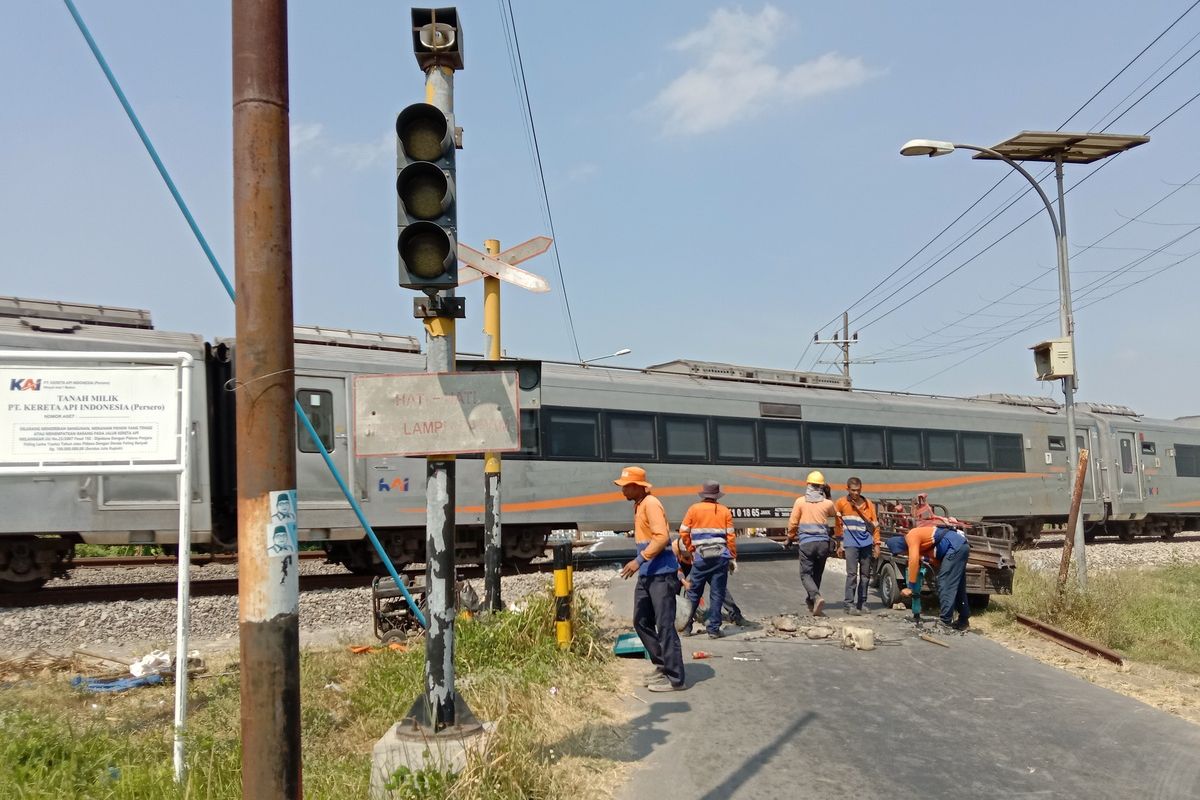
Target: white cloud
{"x": 734, "y": 77}
{"x": 310, "y": 145}
{"x": 582, "y": 171}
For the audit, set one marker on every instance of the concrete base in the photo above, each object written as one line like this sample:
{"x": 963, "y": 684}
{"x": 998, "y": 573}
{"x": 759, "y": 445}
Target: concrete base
{"x": 402, "y": 746}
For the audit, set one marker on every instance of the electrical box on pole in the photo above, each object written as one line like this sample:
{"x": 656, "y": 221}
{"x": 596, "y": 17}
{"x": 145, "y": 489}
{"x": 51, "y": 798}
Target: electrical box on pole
{"x": 1053, "y": 359}
{"x": 427, "y": 222}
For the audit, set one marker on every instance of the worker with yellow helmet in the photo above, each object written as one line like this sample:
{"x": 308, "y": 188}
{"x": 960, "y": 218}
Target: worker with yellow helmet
{"x": 809, "y": 520}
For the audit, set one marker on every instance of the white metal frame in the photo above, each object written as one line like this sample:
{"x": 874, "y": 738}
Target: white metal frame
{"x": 183, "y": 363}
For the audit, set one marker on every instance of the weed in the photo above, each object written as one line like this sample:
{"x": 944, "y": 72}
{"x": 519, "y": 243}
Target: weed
{"x": 1147, "y": 615}
{"x": 57, "y": 743}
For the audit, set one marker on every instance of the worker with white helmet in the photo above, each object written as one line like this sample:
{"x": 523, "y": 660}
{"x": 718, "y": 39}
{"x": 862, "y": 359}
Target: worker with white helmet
{"x": 809, "y": 521}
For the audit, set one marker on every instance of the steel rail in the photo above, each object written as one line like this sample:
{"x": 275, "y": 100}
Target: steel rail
{"x": 1069, "y": 640}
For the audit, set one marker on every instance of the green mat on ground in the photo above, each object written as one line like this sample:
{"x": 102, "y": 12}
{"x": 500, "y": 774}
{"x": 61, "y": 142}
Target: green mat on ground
{"x": 628, "y": 645}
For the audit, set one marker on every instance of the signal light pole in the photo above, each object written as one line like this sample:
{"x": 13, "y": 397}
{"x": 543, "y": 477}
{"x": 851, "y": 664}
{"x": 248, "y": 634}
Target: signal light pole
{"x": 428, "y": 252}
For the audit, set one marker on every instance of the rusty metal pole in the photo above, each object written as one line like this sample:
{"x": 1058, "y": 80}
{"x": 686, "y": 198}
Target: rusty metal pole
{"x": 1072, "y": 520}
{"x": 268, "y": 585}
{"x": 491, "y": 461}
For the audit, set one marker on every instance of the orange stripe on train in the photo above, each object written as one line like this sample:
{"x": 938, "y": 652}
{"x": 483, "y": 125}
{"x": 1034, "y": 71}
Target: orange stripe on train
{"x": 610, "y": 497}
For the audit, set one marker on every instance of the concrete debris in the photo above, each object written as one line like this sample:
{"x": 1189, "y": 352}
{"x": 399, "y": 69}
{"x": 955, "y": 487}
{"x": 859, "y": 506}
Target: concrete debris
{"x": 818, "y": 632}
{"x": 858, "y": 638}
{"x": 785, "y": 624}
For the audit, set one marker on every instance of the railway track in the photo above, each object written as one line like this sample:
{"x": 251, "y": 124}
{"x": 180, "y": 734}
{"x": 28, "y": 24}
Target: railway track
{"x": 216, "y": 587}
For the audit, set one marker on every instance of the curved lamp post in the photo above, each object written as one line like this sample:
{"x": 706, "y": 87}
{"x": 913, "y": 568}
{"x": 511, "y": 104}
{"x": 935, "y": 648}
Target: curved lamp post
{"x": 624, "y": 351}
{"x": 1056, "y": 147}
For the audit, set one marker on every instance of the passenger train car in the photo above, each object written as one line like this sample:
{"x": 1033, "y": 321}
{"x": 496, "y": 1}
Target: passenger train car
{"x": 758, "y": 432}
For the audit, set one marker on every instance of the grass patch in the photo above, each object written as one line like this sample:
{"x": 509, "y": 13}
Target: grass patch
{"x": 1148, "y": 615}
{"x": 57, "y": 743}
{"x": 84, "y": 550}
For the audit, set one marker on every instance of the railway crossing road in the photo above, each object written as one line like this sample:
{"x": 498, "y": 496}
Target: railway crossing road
{"x": 974, "y": 720}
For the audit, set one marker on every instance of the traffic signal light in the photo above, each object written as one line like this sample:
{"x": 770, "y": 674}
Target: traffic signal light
{"x": 428, "y": 239}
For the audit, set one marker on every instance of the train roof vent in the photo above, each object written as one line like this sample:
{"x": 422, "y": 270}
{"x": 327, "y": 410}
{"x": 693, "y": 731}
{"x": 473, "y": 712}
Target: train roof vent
{"x": 1109, "y": 408}
{"x": 115, "y": 316}
{"x": 733, "y": 372}
{"x": 344, "y": 337}
{"x": 1027, "y": 400}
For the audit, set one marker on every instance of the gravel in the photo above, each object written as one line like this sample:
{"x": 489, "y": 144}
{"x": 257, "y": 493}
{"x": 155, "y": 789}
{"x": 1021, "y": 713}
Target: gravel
{"x": 1109, "y": 555}
{"x": 131, "y": 628}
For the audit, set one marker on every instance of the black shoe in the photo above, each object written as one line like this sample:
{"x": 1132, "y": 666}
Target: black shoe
{"x": 741, "y": 622}
{"x": 688, "y": 632}
{"x": 715, "y": 635}
{"x": 962, "y": 625}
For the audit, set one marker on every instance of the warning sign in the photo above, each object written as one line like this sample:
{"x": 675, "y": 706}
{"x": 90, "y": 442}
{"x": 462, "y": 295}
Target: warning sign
{"x": 77, "y": 415}
{"x": 446, "y": 413}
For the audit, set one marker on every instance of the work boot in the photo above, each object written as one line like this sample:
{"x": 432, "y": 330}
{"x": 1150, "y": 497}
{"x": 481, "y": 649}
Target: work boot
{"x": 854, "y": 612}
{"x": 962, "y": 625}
{"x": 715, "y": 634}
{"x": 667, "y": 686}
{"x": 943, "y": 628}
{"x": 741, "y": 622}
{"x": 653, "y": 674}
{"x": 657, "y": 680}
{"x": 864, "y": 611}
{"x": 687, "y": 632}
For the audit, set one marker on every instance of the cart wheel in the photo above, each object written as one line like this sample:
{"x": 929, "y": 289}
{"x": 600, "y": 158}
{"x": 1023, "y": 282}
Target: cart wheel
{"x": 978, "y": 602}
{"x": 395, "y": 635}
{"x": 889, "y": 586}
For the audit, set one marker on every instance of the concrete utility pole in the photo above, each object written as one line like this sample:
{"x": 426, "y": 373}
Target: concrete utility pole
{"x": 268, "y": 584}
{"x": 491, "y": 461}
{"x": 844, "y": 343}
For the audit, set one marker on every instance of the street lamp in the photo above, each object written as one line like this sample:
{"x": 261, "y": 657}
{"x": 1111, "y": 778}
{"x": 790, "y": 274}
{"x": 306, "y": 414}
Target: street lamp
{"x": 1059, "y": 148}
{"x": 624, "y": 351}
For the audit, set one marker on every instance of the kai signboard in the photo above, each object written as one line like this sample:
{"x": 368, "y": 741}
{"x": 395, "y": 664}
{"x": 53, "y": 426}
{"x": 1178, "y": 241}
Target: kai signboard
{"x": 89, "y": 415}
{"x": 436, "y": 414}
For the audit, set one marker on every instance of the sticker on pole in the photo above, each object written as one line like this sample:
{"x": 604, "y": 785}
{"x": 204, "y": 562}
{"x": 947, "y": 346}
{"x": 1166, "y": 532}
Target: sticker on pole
{"x": 82, "y": 415}
{"x": 281, "y": 528}
{"x": 436, "y": 414}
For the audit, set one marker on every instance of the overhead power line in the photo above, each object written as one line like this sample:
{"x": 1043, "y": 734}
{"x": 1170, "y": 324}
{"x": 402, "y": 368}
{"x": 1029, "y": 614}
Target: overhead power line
{"x": 511, "y": 21}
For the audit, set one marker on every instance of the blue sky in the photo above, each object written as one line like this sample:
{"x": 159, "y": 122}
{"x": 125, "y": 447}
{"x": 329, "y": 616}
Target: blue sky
{"x": 724, "y": 179}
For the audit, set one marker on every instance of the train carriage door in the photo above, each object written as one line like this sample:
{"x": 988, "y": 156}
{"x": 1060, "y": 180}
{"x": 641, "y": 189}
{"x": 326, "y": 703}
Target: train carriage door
{"x": 324, "y": 401}
{"x": 1128, "y": 465}
{"x": 1083, "y": 441}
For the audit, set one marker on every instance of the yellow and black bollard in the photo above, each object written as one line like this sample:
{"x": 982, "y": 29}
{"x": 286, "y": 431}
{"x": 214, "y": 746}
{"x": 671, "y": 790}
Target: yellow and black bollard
{"x": 562, "y": 594}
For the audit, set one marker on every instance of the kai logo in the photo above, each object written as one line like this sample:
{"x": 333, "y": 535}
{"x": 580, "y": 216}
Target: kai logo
{"x": 25, "y": 385}
{"x": 399, "y": 484}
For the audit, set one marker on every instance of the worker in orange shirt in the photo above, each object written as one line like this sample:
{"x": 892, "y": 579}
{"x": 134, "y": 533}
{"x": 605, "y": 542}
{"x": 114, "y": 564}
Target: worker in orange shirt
{"x": 857, "y": 535}
{"x": 707, "y": 534}
{"x": 657, "y": 583}
{"x": 808, "y": 520}
{"x": 948, "y": 550}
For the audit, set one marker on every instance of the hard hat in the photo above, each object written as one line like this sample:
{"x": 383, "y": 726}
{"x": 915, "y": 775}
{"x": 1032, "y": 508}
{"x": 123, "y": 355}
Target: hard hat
{"x": 815, "y": 477}
{"x": 634, "y": 475}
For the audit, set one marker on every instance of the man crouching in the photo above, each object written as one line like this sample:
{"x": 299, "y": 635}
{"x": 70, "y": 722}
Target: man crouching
{"x": 657, "y": 583}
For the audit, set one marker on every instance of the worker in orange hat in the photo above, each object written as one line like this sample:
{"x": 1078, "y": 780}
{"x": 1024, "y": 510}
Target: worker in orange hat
{"x": 809, "y": 520}
{"x": 657, "y": 583}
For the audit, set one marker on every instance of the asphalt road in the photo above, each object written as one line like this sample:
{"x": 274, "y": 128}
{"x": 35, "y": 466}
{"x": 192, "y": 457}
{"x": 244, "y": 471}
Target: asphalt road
{"x": 908, "y": 719}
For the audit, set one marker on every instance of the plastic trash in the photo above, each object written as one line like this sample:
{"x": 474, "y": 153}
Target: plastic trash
{"x": 150, "y": 664}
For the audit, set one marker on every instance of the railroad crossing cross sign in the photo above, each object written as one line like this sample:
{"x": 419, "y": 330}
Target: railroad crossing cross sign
{"x": 502, "y": 266}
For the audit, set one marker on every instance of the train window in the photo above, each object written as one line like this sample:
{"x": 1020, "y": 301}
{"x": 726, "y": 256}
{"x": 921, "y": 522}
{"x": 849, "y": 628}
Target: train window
{"x": 572, "y": 434}
{"x": 685, "y": 438}
{"x": 905, "y": 448}
{"x": 735, "y": 440}
{"x": 1007, "y": 452}
{"x": 530, "y": 434}
{"x": 1126, "y": 457}
{"x": 941, "y": 450}
{"x": 975, "y": 451}
{"x": 866, "y": 447}
{"x": 632, "y": 436}
{"x": 1148, "y": 449}
{"x": 318, "y": 405}
{"x": 1187, "y": 461}
{"x": 781, "y": 443}
{"x": 827, "y": 445}
{"x": 1056, "y": 443}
